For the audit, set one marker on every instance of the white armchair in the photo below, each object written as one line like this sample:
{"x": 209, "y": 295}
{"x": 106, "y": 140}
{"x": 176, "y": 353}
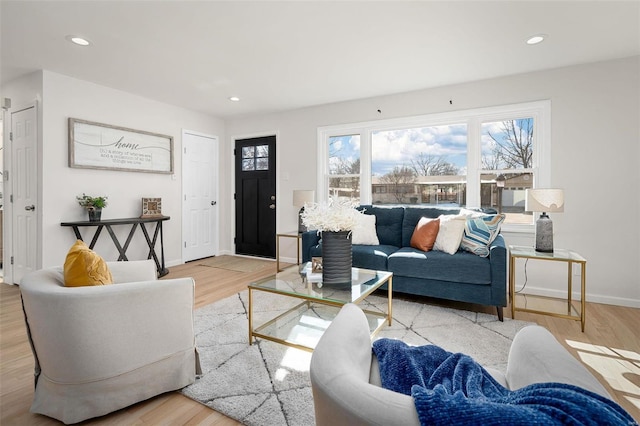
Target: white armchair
{"x": 102, "y": 348}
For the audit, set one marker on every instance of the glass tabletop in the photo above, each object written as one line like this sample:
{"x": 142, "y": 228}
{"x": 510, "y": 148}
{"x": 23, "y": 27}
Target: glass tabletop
{"x": 298, "y": 281}
{"x": 557, "y": 254}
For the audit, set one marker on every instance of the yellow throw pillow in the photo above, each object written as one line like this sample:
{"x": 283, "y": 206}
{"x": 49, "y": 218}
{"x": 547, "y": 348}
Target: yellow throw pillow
{"x": 84, "y": 267}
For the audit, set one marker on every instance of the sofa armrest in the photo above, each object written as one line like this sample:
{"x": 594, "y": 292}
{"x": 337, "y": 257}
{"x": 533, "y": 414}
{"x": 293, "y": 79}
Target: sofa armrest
{"x": 309, "y": 239}
{"x": 498, "y": 259}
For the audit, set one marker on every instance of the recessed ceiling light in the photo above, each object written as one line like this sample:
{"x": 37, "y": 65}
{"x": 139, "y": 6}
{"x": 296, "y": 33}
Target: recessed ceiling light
{"x": 234, "y": 99}
{"x": 78, "y": 40}
{"x": 535, "y": 39}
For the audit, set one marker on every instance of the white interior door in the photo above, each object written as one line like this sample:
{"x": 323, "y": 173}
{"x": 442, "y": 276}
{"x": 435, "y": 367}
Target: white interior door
{"x": 200, "y": 192}
{"x": 23, "y": 183}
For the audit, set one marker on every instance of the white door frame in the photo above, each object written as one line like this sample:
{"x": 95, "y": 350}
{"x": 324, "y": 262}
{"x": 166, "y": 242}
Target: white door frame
{"x": 185, "y": 183}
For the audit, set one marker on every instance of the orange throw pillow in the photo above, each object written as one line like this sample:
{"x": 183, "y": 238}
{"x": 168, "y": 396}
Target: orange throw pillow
{"x": 424, "y": 236}
{"x": 84, "y": 267}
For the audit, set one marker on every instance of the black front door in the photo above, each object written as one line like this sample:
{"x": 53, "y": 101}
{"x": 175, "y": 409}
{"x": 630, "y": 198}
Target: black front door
{"x": 255, "y": 161}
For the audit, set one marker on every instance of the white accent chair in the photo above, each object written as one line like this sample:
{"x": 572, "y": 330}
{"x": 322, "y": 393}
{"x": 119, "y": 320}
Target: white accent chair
{"x": 102, "y": 348}
{"x": 345, "y": 377}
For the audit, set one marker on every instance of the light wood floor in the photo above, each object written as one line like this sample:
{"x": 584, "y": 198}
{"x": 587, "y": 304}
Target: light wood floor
{"x": 610, "y": 347}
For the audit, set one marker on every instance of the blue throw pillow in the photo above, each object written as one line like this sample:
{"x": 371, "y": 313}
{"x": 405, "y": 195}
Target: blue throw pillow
{"x": 480, "y": 232}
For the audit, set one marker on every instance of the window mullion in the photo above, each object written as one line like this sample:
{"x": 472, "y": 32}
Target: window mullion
{"x": 365, "y": 167}
{"x": 474, "y": 161}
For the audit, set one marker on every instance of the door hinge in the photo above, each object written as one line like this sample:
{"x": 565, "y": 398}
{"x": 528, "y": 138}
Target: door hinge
{"x": 11, "y": 136}
{"x": 11, "y": 198}
{"x": 185, "y": 244}
{"x": 234, "y": 196}
{"x": 235, "y": 240}
{"x": 185, "y": 149}
{"x": 12, "y": 260}
{"x": 234, "y": 151}
{"x": 6, "y": 175}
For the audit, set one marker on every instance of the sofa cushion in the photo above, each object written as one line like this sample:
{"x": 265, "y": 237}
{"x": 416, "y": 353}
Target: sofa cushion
{"x": 436, "y": 265}
{"x": 424, "y": 236}
{"x": 413, "y": 214}
{"x": 388, "y": 224}
{"x": 371, "y": 257}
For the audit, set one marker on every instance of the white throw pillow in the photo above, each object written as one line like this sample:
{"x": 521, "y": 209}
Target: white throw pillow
{"x": 470, "y": 214}
{"x": 450, "y": 233}
{"x": 365, "y": 231}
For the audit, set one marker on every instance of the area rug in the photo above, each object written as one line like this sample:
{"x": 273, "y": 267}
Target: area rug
{"x": 268, "y": 384}
{"x": 236, "y": 263}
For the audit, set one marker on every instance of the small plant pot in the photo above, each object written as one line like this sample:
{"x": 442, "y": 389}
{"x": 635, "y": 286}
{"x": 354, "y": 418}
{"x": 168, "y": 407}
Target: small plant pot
{"x": 94, "y": 214}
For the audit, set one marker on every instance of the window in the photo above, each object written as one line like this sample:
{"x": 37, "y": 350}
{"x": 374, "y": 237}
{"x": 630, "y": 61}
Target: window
{"x": 507, "y": 167}
{"x": 255, "y": 158}
{"x": 419, "y": 165}
{"x": 475, "y": 158}
{"x": 344, "y": 166}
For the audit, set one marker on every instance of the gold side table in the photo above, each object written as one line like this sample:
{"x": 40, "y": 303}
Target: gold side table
{"x": 294, "y": 234}
{"x": 534, "y": 304}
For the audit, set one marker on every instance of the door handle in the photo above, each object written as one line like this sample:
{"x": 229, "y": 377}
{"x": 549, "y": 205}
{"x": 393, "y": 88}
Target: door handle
{"x": 30, "y": 208}
{"x": 272, "y": 206}
{"x": 213, "y": 203}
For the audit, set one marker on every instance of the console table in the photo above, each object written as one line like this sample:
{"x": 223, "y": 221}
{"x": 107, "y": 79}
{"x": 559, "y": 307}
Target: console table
{"x": 134, "y": 222}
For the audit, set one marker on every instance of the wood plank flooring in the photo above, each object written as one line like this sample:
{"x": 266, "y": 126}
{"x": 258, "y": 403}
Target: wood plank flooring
{"x": 610, "y": 347}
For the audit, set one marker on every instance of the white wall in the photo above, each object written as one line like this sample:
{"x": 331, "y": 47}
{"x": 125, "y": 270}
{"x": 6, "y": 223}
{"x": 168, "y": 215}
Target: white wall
{"x": 595, "y": 158}
{"x": 64, "y": 97}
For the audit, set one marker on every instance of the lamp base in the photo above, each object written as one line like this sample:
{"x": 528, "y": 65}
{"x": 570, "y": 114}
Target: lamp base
{"x": 544, "y": 234}
{"x": 301, "y": 227}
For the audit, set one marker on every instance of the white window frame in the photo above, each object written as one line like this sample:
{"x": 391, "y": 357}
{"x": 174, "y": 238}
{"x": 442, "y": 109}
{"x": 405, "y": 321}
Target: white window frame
{"x": 540, "y": 111}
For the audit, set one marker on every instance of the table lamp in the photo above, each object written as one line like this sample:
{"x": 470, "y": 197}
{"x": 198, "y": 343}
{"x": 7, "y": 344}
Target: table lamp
{"x": 300, "y": 198}
{"x": 544, "y": 200}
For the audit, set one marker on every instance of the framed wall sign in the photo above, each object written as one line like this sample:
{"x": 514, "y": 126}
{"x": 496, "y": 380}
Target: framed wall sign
{"x": 102, "y": 146}
{"x": 151, "y": 207}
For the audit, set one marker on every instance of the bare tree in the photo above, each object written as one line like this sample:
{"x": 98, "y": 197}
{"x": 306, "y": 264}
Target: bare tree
{"x": 399, "y": 179}
{"x": 515, "y": 148}
{"x": 433, "y": 165}
{"x": 341, "y": 167}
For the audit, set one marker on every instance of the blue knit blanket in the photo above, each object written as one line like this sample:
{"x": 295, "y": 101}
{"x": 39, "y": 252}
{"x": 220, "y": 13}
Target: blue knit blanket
{"x": 450, "y": 388}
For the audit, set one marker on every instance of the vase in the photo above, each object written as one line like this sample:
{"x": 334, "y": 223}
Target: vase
{"x": 94, "y": 214}
{"x": 336, "y": 257}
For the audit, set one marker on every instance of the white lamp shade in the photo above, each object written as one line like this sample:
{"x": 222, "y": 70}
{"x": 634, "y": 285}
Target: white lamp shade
{"x": 303, "y": 196}
{"x": 546, "y": 200}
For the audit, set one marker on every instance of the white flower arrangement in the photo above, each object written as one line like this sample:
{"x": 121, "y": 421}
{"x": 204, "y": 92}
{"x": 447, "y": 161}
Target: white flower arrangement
{"x": 335, "y": 215}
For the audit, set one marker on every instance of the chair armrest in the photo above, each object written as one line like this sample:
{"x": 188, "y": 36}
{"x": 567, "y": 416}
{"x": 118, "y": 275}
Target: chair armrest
{"x": 537, "y": 357}
{"x": 92, "y": 333}
{"x": 309, "y": 239}
{"x": 498, "y": 259}
{"x": 133, "y": 270}
{"x": 340, "y": 372}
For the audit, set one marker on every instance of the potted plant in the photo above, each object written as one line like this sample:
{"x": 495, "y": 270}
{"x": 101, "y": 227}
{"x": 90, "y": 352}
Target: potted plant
{"x": 93, "y": 205}
{"x": 335, "y": 219}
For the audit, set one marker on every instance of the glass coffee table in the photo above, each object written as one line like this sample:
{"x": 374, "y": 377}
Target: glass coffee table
{"x": 302, "y": 325}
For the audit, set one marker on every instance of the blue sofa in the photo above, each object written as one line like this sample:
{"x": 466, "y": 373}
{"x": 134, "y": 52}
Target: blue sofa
{"x": 462, "y": 276}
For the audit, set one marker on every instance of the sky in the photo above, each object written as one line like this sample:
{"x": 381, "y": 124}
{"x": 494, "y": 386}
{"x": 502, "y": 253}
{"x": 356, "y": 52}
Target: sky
{"x": 398, "y": 147}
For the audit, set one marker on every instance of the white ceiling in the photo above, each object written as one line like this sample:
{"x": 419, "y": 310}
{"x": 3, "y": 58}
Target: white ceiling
{"x": 284, "y": 55}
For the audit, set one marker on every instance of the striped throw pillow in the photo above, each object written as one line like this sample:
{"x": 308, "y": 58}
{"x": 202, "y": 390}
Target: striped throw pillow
{"x": 480, "y": 232}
